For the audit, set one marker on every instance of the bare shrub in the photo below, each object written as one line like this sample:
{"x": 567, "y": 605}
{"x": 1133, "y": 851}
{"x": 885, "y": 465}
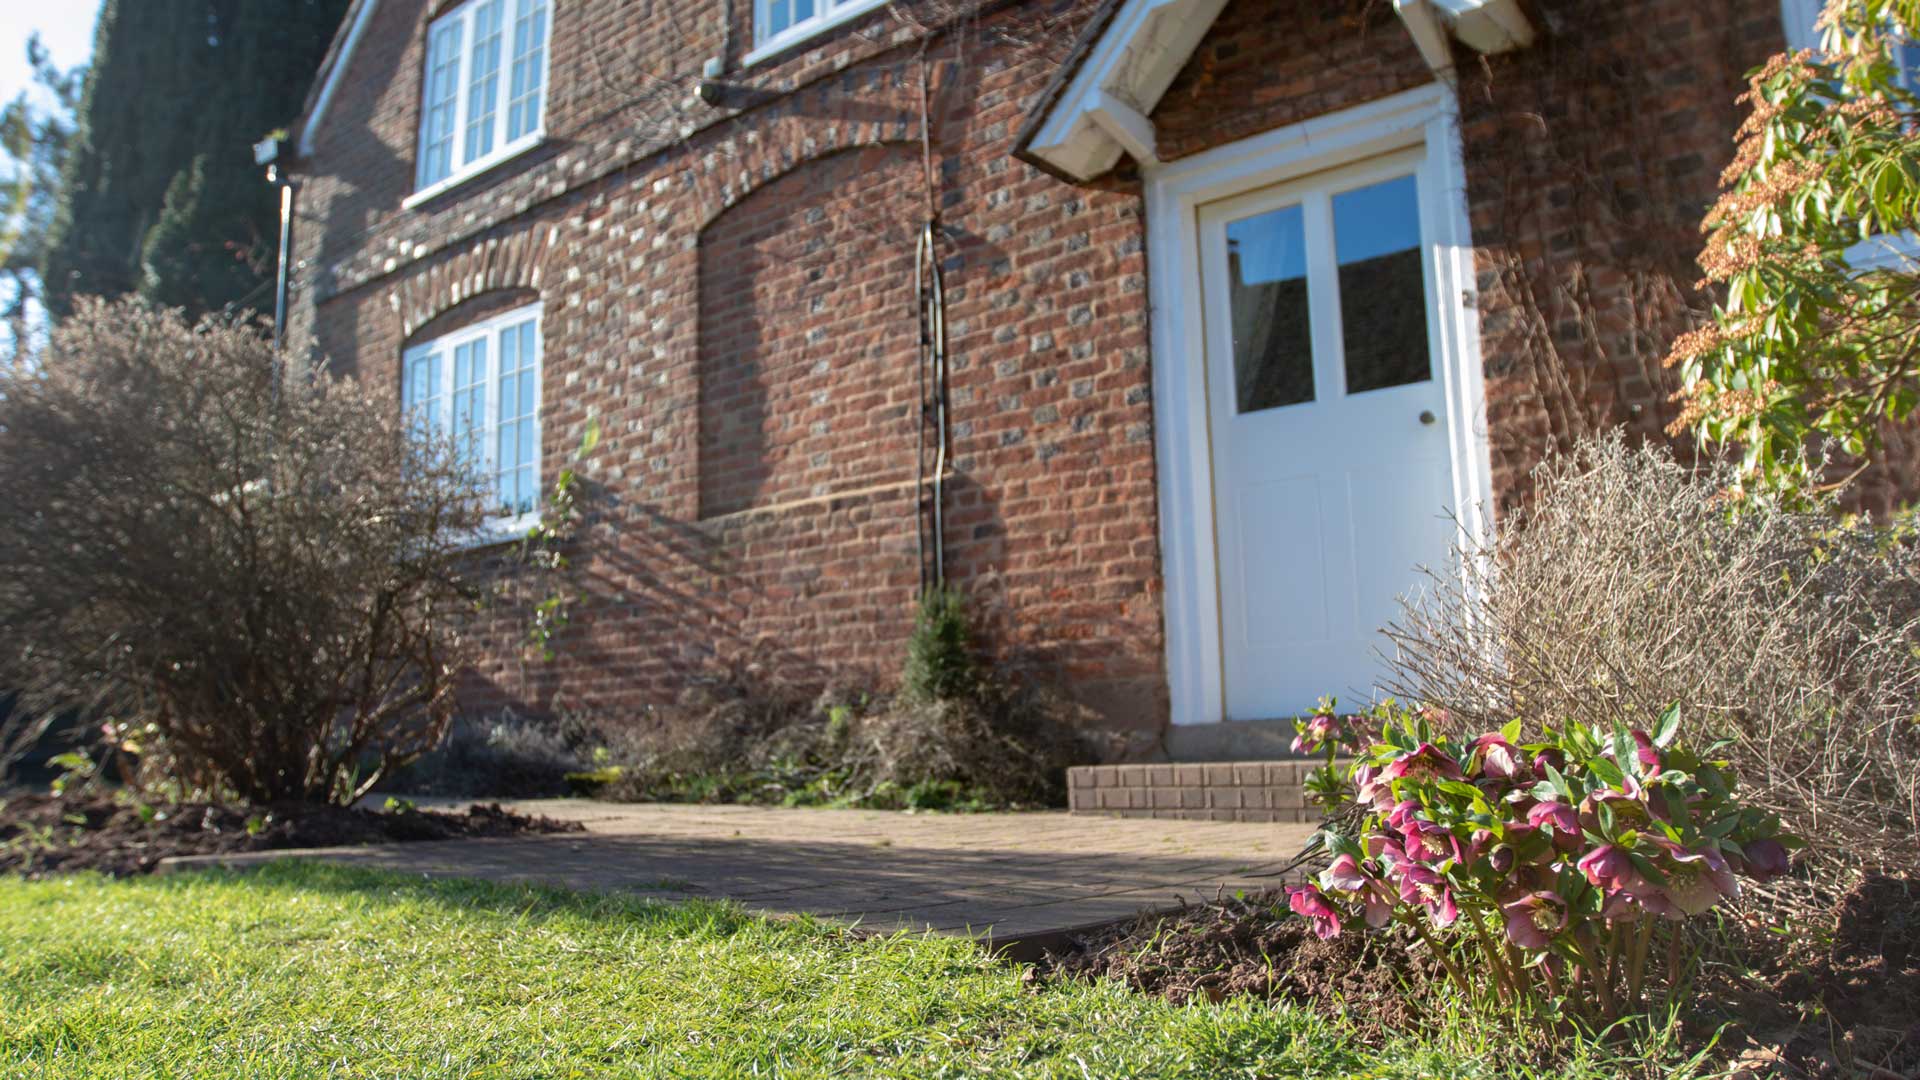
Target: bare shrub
{"x": 761, "y": 741}
{"x": 1628, "y": 585}
{"x": 506, "y": 756}
{"x": 257, "y": 578}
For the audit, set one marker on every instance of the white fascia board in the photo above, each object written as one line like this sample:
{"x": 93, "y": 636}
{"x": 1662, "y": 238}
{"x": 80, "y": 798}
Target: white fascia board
{"x": 1485, "y": 26}
{"x": 362, "y": 17}
{"x": 1105, "y": 109}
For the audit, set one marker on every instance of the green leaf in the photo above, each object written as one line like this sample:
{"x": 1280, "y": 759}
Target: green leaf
{"x": 1607, "y": 773}
{"x": 1511, "y": 732}
{"x": 589, "y": 438}
{"x": 1668, "y": 727}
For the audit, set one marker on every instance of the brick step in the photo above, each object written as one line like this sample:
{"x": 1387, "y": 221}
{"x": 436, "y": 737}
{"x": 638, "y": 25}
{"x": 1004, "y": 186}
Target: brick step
{"x": 1222, "y": 791}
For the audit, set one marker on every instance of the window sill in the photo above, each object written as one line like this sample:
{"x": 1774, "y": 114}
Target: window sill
{"x": 476, "y": 170}
{"x": 792, "y": 36}
{"x": 1900, "y": 251}
{"x": 496, "y": 532}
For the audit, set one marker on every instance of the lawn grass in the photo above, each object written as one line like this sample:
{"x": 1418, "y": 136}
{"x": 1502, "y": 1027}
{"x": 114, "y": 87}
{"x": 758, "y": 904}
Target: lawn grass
{"x": 301, "y": 970}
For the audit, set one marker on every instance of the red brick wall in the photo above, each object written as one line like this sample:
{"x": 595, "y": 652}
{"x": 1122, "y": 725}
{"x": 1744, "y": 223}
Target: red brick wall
{"x": 1265, "y": 65}
{"x": 1591, "y": 158}
{"x": 719, "y": 283}
{"x": 756, "y": 384}
{"x": 807, "y": 386}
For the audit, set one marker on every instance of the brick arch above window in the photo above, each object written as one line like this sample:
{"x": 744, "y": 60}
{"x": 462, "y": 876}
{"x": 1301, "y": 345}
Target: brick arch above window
{"x": 515, "y": 264}
{"x": 724, "y": 179}
{"x": 475, "y": 310}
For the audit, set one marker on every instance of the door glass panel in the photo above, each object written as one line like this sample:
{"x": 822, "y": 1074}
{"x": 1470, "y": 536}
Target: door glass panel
{"x": 1383, "y": 296}
{"x": 1267, "y": 300}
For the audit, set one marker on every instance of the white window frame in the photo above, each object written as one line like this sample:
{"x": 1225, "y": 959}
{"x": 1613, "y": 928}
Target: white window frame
{"x": 440, "y": 353}
{"x": 461, "y": 169}
{"x": 1882, "y": 252}
{"x": 827, "y": 15}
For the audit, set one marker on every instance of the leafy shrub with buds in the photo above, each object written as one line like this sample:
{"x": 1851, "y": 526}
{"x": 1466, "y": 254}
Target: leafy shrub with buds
{"x": 1546, "y": 866}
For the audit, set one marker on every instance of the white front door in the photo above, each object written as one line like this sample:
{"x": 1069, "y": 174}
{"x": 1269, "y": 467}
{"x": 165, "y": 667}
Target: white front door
{"x": 1330, "y": 450}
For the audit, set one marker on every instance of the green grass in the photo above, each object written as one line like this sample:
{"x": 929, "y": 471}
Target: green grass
{"x": 303, "y": 970}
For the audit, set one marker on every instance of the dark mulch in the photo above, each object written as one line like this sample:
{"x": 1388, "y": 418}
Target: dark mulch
{"x": 42, "y": 834}
{"x": 1842, "y": 1000}
{"x": 1253, "y": 945}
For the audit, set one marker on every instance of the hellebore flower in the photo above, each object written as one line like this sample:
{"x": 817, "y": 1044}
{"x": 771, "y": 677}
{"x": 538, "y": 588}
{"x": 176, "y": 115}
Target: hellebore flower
{"x": 1695, "y": 881}
{"x": 1646, "y": 751}
{"x": 1308, "y": 903}
{"x": 1608, "y": 867}
{"x": 1535, "y": 918}
{"x": 1372, "y": 790}
{"x": 1429, "y": 762}
{"x": 1345, "y": 875}
{"x": 1320, "y": 729}
{"x": 1348, "y": 876}
{"x": 1555, "y": 817}
{"x": 1765, "y": 859}
{"x": 1419, "y": 885}
{"x": 1402, "y": 813}
{"x": 1628, "y": 811}
{"x": 1428, "y": 842}
{"x": 1385, "y": 848}
{"x": 1550, "y": 756}
{"x": 1497, "y": 757}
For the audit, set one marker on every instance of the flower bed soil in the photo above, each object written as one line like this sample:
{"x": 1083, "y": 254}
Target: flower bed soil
{"x": 1253, "y": 945}
{"x": 42, "y": 834}
{"x": 1841, "y": 1000}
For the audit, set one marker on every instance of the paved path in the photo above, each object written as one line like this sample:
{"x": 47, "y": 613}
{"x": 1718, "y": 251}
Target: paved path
{"x": 1017, "y": 878}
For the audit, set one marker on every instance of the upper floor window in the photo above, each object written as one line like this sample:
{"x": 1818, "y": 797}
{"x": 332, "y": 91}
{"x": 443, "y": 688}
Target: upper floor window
{"x": 781, "y": 23}
{"x": 485, "y": 90}
{"x": 481, "y": 387}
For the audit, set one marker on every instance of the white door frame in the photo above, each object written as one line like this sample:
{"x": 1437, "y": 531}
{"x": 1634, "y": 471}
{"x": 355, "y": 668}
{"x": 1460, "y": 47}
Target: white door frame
{"x": 1189, "y": 567}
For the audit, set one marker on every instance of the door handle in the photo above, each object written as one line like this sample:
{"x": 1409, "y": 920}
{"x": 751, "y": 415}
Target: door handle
{"x": 1427, "y": 417}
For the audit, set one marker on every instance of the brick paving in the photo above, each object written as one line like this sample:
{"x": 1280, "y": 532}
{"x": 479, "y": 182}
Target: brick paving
{"x": 1016, "y": 879}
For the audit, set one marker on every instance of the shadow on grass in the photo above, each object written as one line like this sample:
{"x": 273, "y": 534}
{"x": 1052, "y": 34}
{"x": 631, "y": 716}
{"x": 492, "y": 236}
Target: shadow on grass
{"x": 519, "y": 902}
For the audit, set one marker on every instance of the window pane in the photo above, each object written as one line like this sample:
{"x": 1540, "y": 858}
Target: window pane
{"x": 442, "y": 92}
{"x": 1267, "y": 301}
{"x": 420, "y": 393}
{"x": 529, "y": 68}
{"x": 469, "y": 402}
{"x": 779, "y": 16}
{"x": 514, "y": 437}
{"x": 1383, "y": 295}
{"x": 483, "y": 78}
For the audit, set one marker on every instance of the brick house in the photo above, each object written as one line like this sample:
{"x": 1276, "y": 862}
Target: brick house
{"x": 1241, "y": 300}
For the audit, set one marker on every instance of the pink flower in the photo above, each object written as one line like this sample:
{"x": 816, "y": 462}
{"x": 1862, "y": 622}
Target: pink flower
{"x": 1385, "y": 848}
{"x": 1549, "y": 756}
{"x": 1402, "y": 813}
{"x": 1320, "y": 729}
{"x": 1308, "y": 903}
{"x": 1428, "y": 842}
{"x": 1347, "y": 875}
{"x": 1371, "y": 789}
{"x": 1765, "y": 859}
{"x": 1496, "y": 757}
{"x": 1429, "y": 762}
{"x": 1696, "y": 880}
{"x": 1608, "y": 867}
{"x": 1419, "y": 885}
{"x": 1646, "y": 751}
{"x": 1535, "y": 918}
{"x": 1554, "y": 816}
